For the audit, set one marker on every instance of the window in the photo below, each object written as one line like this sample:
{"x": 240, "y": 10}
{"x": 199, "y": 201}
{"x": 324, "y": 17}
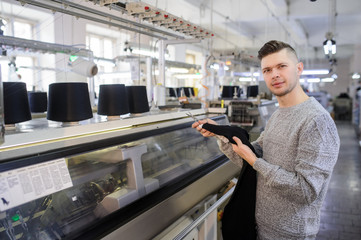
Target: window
{"x": 23, "y": 30}
{"x": 107, "y": 43}
{"x": 26, "y": 72}
{"x": 190, "y": 58}
{"x": 102, "y": 47}
{"x": 24, "y": 63}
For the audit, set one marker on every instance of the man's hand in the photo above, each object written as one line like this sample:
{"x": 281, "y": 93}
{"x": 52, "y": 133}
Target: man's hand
{"x": 244, "y": 151}
{"x": 204, "y": 132}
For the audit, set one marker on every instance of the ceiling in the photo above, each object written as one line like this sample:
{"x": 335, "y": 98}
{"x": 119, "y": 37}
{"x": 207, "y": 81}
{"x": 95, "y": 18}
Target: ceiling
{"x": 245, "y": 25}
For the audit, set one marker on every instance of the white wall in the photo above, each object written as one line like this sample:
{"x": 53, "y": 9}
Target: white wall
{"x": 343, "y": 81}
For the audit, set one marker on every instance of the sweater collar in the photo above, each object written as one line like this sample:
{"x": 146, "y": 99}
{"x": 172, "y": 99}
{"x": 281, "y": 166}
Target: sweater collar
{"x": 297, "y": 106}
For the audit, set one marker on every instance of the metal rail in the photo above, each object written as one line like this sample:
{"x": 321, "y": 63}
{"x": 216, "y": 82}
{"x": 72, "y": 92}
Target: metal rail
{"x": 201, "y": 218}
{"x": 81, "y": 11}
{"x": 42, "y": 46}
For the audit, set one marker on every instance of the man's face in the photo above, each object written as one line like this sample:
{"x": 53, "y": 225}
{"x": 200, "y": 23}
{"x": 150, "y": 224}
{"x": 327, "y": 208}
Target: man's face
{"x": 281, "y": 71}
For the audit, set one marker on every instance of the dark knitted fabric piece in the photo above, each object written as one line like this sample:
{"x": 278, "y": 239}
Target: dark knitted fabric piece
{"x": 238, "y": 221}
{"x": 229, "y": 132}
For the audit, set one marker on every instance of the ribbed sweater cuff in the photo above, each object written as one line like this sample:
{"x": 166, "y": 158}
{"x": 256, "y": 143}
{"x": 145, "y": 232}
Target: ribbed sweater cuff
{"x": 261, "y": 166}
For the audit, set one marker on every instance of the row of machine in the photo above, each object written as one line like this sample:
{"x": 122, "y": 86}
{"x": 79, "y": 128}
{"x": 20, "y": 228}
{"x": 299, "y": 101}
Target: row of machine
{"x": 140, "y": 177}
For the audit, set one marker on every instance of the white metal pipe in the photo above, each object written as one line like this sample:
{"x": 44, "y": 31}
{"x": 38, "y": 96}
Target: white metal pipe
{"x": 149, "y": 79}
{"x": 201, "y": 218}
{"x": 162, "y": 48}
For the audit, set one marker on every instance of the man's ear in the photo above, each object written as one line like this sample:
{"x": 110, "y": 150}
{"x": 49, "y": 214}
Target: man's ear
{"x": 299, "y": 68}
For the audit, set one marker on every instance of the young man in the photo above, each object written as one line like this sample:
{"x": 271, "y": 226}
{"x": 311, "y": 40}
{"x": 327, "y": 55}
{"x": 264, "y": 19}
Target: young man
{"x": 298, "y": 150}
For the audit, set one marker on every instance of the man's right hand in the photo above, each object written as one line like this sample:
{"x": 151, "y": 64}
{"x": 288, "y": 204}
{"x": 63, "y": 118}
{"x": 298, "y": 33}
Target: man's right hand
{"x": 204, "y": 132}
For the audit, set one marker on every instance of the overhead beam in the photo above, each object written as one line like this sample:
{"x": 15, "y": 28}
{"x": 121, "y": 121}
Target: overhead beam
{"x": 81, "y": 11}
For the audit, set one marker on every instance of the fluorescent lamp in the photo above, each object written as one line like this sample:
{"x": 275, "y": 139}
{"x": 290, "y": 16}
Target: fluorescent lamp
{"x": 248, "y": 74}
{"x": 315, "y": 72}
{"x": 177, "y": 70}
{"x": 356, "y": 76}
{"x": 313, "y": 80}
{"x": 327, "y": 79}
{"x": 187, "y": 76}
{"x": 145, "y": 53}
{"x": 245, "y": 79}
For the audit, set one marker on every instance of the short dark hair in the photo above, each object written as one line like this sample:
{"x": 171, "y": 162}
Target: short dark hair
{"x": 274, "y": 46}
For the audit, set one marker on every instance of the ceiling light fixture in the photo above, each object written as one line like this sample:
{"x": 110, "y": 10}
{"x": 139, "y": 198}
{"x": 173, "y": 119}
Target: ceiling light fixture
{"x": 177, "y": 70}
{"x": 329, "y": 47}
{"x": 310, "y": 80}
{"x": 246, "y": 74}
{"x": 245, "y": 79}
{"x": 315, "y": 72}
{"x": 188, "y": 76}
{"x": 356, "y": 76}
{"x": 327, "y": 79}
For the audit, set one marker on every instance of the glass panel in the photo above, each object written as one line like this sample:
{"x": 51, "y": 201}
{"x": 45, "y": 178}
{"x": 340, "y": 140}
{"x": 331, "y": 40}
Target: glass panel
{"x": 22, "y": 30}
{"x": 95, "y": 46}
{"x": 172, "y": 154}
{"x": 108, "y": 48}
{"x": 25, "y": 71}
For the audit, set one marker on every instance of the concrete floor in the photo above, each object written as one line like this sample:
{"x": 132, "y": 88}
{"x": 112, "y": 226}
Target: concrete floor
{"x": 341, "y": 212}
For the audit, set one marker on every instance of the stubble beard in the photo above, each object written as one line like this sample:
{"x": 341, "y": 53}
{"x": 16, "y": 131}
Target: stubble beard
{"x": 285, "y": 92}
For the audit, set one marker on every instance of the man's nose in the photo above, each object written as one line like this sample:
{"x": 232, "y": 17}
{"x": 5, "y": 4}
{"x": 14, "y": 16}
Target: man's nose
{"x": 275, "y": 73}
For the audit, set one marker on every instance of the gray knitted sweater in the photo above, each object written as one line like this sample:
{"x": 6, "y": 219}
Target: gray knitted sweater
{"x": 298, "y": 148}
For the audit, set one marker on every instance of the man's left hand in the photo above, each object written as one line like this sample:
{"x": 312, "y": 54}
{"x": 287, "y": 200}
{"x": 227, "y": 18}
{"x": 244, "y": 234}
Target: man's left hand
{"x": 244, "y": 151}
